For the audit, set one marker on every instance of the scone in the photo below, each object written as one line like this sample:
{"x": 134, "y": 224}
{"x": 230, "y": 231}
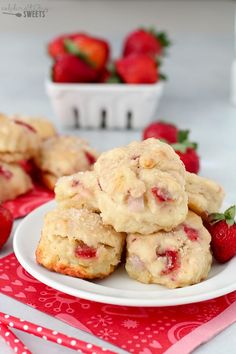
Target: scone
{"x": 13, "y": 181}
{"x": 76, "y": 243}
{"x": 142, "y": 187}
{"x": 78, "y": 191}
{"x": 204, "y": 195}
{"x": 175, "y": 259}
{"x": 62, "y": 156}
{"x": 44, "y": 127}
{"x": 18, "y": 140}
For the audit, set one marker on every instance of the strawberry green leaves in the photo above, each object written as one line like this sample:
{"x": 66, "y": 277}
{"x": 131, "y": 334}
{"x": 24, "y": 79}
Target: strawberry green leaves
{"x": 228, "y": 216}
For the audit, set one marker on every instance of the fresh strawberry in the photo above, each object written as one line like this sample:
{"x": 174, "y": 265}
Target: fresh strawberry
{"x": 222, "y": 228}
{"x": 71, "y": 69}
{"x": 56, "y": 47}
{"x": 161, "y": 130}
{"x": 187, "y": 152}
{"x": 190, "y": 159}
{"x": 143, "y": 41}
{"x": 137, "y": 69}
{"x": 95, "y": 50}
{"x": 6, "y": 222}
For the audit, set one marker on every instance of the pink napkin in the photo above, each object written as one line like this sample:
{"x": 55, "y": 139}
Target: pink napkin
{"x": 170, "y": 330}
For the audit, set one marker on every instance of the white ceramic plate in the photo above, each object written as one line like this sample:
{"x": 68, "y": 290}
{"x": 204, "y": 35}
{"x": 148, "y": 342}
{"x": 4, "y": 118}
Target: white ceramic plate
{"x": 118, "y": 289}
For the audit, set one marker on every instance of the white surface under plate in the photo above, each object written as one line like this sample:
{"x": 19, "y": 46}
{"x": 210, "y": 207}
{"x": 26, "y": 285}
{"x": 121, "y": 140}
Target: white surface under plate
{"x": 118, "y": 288}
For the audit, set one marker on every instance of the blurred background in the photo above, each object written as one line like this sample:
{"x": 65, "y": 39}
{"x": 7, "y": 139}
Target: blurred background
{"x": 198, "y": 64}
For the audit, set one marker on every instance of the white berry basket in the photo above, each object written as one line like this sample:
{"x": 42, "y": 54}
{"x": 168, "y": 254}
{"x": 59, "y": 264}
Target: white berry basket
{"x": 107, "y": 106}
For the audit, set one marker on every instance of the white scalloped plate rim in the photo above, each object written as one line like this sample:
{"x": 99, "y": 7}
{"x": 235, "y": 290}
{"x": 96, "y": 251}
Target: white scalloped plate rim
{"x": 118, "y": 288}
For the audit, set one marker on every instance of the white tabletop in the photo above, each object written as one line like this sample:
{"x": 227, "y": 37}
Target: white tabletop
{"x": 218, "y": 161}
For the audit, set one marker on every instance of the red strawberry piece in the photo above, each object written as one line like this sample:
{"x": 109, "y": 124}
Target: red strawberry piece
{"x": 191, "y": 233}
{"x": 161, "y": 130}
{"x": 71, "y": 69}
{"x": 6, "y": 222}
{"x": 91, "y": 159}
{"x": 26, "y": 125}
{"x": 75, "y": 183}
{"x": 84, "y": 251}
{"x": 5, "y": 173}
{"x": 28, "y": 166}
{"x": 190, "y": 159}
{"x": 95, "y": 50}
{"x": 222, "y": 228}
{"x": 172, "y": 260}
{"x": 161, "y": 194}
{"x": 56, "y": 47}
{"x": 145, "y": 42}
{"x": 137, "y": 69}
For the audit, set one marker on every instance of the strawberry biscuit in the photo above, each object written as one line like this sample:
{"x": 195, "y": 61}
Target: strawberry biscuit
{"x": 18, "y": 140}
{"x": 142, "y": 187}
{"x": 175, "y": 259}
{"x": 204, "y": 195}
{"x": 44, "y": 128}
{"x": 77, "y": 191}
{"x": 13, "y": 181}
{"x": 62, "y": 156}
{"x": 76, "y": 243}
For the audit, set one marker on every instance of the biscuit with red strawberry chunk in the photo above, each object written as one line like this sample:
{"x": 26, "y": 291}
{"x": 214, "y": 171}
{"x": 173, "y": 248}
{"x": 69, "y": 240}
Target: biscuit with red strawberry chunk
{"x": 205, "y": 196}
{"x": 18, "y": 140}
{"x": 78, "y": 191}
{"x": 141, "y": 187}
{"x": 14, "y": 181}
{"x": 177, "y": 258}
{"x": 62, "y": 156}
{"x": 44, "y": 127}
{"x": 75, "y": 242}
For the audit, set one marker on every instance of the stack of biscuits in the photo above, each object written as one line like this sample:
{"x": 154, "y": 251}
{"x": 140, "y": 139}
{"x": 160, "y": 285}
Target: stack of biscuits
{"x": 140, "y": 196}
{"x": 31, "y": 143}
